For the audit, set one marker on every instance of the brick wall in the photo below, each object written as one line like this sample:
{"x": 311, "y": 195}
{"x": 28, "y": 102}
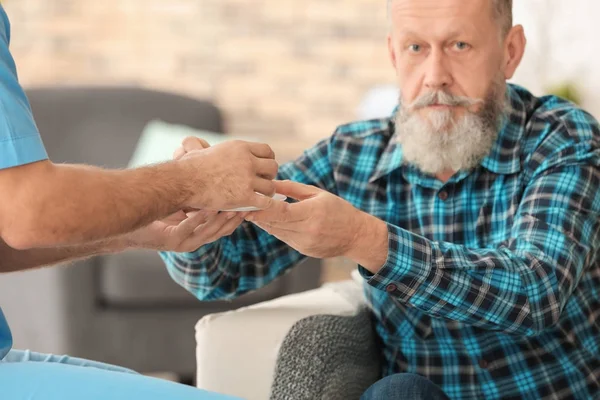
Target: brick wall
{"x": 280, "y": 69}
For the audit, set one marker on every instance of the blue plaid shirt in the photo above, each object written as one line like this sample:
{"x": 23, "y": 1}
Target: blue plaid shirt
{"x": 492, "y": 284}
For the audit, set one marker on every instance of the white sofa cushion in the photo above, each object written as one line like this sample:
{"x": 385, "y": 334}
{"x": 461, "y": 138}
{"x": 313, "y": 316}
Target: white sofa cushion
{"x": 237, "y": 350}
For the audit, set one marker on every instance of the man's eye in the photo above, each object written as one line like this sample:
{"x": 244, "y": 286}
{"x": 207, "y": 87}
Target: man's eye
{"x": 414, "y": 48}
{"x": 462, "y": 46}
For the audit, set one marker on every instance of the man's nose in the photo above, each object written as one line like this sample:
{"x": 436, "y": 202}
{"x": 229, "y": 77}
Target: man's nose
{"x": 437, "y": 73}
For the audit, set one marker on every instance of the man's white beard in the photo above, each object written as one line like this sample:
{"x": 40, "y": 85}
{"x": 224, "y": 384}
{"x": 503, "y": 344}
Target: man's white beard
{"x": 438, "y": 142}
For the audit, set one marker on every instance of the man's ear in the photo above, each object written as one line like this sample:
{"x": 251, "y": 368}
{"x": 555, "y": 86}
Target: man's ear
{"x": 514, "y": 49}
{"x": 391, "y": 50}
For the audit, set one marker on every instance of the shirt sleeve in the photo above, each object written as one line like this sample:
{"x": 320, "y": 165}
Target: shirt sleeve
{"x": 20, "y": 141}
{"x": 250, "y": 258}
{"x": 522, "y": 285}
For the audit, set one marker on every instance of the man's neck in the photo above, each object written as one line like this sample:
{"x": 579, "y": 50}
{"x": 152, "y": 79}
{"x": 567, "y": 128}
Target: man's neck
{"x": 445, "y": 176}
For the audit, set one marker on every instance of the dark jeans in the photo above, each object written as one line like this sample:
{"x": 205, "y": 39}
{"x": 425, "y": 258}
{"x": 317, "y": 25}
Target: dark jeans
{"x": 404, "y": 387}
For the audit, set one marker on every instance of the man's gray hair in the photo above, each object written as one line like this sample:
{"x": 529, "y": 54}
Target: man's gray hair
{"x": 502, "y": 12}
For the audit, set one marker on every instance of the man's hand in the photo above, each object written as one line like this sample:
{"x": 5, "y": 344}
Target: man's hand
{"x": 183, "y": 232}
{"x": 186, "y": 231}
{"x": 229, "y": 175}
{"x": 179, "y": 232}
{"x": 323, "y": 225}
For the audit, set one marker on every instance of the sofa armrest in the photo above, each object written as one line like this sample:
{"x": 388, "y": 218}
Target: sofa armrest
{"x": 237, "y": 351}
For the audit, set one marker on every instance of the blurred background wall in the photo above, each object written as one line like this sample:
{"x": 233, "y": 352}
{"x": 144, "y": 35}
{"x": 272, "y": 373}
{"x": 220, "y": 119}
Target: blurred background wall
{"x": 276, "y": 67}
{"x": 563, "y": 48}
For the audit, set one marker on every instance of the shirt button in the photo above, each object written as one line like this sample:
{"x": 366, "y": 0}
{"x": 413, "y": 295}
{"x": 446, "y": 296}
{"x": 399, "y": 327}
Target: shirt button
{"x": 443, "y": 195}
{"x": 483, "y": 364}
{"x": 391, "y": 288}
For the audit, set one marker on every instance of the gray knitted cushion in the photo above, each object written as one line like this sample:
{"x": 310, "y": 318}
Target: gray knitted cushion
{"x": 327, "y": 357}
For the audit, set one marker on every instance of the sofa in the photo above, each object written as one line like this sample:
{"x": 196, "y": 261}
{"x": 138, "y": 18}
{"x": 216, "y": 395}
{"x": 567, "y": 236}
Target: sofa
{"x": 319, "y": 344}
{"x": 122, "y": 309}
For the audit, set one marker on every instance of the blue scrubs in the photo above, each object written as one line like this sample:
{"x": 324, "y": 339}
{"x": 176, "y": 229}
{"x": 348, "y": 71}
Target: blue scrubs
{"x": 32, "y": 376}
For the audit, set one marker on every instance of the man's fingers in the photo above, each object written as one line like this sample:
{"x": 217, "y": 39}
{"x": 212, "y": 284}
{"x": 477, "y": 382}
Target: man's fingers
{"x": 177, "y": 216}
{"x": 264, "y": 226}
{"x": 177, "y": 154}
{"x": 212, "y": 226}
{"x": 210, "y": 231}
{"x": 296, "y": 190}
{"x": 227, "y": 229}
{"x": 263, "y": 202}
{"x": 204, "y": 215}
{"x": 277, "y": 211}
{"x": 278, "y": 233}
{"x": 192, "y": 143}
{"x": 265, "y": 187}
{"x": 262, "y": 150}
{"x": 188, "y": 225}
{"x": 267, "y": 168}
{"x": 282, "y": 226}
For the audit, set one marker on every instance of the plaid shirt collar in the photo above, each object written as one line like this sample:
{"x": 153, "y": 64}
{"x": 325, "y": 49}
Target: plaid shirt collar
{"x": 504, "y": 157}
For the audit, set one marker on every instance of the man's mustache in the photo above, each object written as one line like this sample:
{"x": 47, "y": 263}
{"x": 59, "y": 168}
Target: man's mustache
{"x": 441, "y": 97}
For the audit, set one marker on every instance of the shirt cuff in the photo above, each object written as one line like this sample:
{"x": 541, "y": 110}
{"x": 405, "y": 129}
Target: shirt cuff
{"x": 21, "y": 151}
{"x": 409, "y": 264}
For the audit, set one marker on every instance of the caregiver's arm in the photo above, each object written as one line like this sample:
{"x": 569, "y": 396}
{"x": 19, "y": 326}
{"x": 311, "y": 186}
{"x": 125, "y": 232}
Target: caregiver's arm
{"x": 44, "y": 204}
{"x": 178, "y": 232}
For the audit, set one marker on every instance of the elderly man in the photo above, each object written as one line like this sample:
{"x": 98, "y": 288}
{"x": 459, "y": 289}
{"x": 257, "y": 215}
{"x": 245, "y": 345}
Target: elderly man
{"x": 472, "y": 212}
